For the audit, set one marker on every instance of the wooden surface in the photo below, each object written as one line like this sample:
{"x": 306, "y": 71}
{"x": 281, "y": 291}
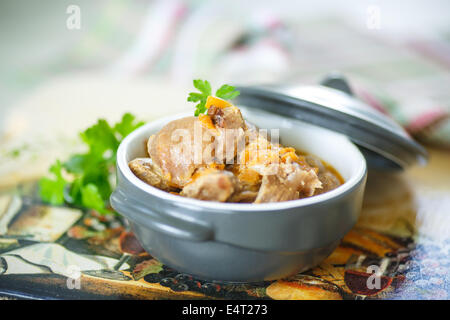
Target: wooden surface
{"x": 419, "y": 196}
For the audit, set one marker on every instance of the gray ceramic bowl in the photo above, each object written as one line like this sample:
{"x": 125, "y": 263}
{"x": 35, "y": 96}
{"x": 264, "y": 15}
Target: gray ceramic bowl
{"x": 244, "y": 242}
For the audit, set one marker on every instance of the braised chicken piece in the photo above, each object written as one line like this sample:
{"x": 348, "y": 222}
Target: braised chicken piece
{"x": 249, "y": 179}
{"x": 227, "y": 118}
{"x": 245, "y": 196}
{"x": 212, "y": 185}
{"x": 176, "y": 152}
{"x": 288, "y": 184}
{"x": 230, "y": 128}
{"x": 275, "y": 189}
{"x": 327, "y": 174}
{"x": 145, "y": 170}
{"x": 193, "y": 155}
{"x": 278, "y": 172}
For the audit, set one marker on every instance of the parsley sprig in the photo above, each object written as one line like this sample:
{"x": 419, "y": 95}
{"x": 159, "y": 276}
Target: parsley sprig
{"x": 225, "y": 92}
{"x": 85, "y": 179}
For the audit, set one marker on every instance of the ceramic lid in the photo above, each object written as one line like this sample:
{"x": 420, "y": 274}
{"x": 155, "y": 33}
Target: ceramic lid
{"x": 385, "y": 144}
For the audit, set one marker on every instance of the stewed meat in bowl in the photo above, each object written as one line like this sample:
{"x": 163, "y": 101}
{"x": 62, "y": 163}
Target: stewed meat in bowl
{"x": 219, "y": 156}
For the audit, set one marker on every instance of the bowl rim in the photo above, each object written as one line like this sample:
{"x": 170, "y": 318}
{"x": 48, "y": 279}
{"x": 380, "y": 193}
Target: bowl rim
{"x": 122, "y": 166}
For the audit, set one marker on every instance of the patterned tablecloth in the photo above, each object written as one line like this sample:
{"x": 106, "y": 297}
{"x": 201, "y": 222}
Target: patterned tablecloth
{"x": 62, "y": 252}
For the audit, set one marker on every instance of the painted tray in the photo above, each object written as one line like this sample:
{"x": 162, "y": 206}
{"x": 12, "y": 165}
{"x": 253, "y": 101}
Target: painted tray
{"x": 398, "y": 250}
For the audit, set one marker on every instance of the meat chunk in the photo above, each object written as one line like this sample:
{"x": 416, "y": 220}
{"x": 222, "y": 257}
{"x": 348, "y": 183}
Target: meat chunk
{"x": 173, "y": 149}
{"x": 245, "y": 196}
{"x": 231, "y": 128}
{"x": 329, "y": 180}
{"x": 227, "y": 118}
{"x": 148, "y": 172}
{"x": 185, "y": 145}
{"x": 249, "y": 179}
{"x": 285, "y": 175}
{"x": 307, "y": 182}
{"x": 273, "y": 189}
{"x": 289, "y": 183}
{"x": 192, "y": 155}
{"x": 212, "y": 185}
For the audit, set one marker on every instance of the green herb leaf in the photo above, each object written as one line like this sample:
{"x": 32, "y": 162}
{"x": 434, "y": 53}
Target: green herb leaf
{"x": 205, "y": 90}
{"x": 75, "y": 164}
{"x": 92, "y": 172}
{"x": 226, "y": 92}
{"x": 100, "y": 137}
{"x": 91, "y": 198}
{"x": 203, "y": 86}
{"x": 127, "y": 125}
{"x": 194, "y": 97}
{"x": 52, "y": 189}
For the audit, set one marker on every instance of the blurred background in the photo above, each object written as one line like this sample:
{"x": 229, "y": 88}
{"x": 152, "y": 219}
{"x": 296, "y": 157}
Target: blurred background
{"x": 64, "y": 64}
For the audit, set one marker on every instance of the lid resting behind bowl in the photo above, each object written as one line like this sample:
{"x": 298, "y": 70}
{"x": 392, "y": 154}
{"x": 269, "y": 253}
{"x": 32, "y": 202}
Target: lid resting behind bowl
{"x": 384, "y": 143}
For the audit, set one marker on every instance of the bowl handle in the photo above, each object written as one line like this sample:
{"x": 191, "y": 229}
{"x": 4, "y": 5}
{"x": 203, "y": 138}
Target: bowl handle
{"x": 133, "y": 210}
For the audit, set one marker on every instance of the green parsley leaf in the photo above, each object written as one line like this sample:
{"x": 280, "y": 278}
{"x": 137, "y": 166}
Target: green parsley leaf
{"x": 127, "y": 125}
{"x": 52, "y": 189}
{"x": 92, "y": 172}
{"x": 194, "y": 97}
{"x": 200, "y": 108}
{"x": 205, "y": 90}
{"x": 226, "y": 92}
{"x": 91, "y": 198}
{"x": 76, "y": 163}
{"x": 203, "y": 86}
{"x": 100, "y": 137}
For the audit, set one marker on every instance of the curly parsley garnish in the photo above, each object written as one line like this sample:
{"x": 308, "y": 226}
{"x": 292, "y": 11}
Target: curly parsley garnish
{"x": 85, "y": 179}
{"x": 225, "y": 92}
